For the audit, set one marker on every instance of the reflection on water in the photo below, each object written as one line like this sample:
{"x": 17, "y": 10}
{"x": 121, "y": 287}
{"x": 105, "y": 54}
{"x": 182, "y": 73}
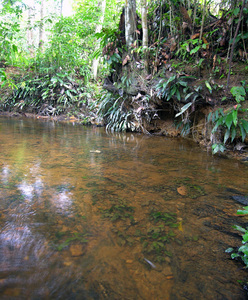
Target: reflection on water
{"x": 90, "y": 215}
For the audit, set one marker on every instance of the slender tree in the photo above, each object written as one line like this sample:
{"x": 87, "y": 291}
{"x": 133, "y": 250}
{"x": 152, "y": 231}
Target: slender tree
{"x": 98, "y": 29}
{"x": 145, "y": 31}
{"x": 203, "y": 17}
{"x": 144, "y": 23}
{"x": 234, "y": 39}
{"x": 61, "y": 7}
{"x": 30, "y": 33}
{"x": 130, "y": 22}
{"x": 41, "y": 27}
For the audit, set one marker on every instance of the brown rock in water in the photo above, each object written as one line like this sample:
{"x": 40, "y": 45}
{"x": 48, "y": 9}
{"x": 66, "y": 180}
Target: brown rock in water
{"x": 182, "y": 190}
{"x": 77, "y": 250}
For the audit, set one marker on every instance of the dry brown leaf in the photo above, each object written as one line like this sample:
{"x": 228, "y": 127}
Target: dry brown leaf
{"x": 126, "y": 60}
{"x": 182, "y": 190}
{"x": 77, "y": 250}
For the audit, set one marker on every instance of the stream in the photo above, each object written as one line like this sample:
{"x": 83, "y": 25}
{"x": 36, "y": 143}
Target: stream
{"x": 90, "y": 214}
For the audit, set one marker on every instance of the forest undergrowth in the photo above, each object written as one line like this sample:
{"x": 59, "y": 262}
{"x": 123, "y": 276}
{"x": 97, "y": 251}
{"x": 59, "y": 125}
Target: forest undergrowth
{"x": 189, "y": 79}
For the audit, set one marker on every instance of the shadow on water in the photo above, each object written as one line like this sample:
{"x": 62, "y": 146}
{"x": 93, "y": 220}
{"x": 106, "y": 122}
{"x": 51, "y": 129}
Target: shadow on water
{"x": 90, "y": 215}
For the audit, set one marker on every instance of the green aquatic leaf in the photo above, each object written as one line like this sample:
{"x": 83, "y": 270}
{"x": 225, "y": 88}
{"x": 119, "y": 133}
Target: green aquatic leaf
{"x": 243, "y": 212}
{"x": 245, "y": 237}
{"x": 234, "y": 255}
{"x": 239, "y": 228}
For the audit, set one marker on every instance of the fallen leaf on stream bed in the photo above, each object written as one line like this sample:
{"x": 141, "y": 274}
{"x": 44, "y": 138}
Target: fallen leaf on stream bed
{"x": 182, "y": 190}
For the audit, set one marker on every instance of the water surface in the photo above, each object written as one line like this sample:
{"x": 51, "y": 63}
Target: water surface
{"x": 90, "y": 215}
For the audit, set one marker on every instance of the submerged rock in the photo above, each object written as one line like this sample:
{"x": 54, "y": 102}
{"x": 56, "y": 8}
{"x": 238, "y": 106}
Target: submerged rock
{"x": 240, "y": 199}
{"x": 77, "y": 250}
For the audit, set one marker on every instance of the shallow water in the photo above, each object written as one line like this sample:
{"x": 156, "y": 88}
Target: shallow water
{"x": 90, "y": 215}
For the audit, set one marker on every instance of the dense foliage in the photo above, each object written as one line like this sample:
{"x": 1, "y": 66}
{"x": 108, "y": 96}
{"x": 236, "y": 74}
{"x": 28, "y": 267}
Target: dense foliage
{"x": 131, "y": 69}
{"x": 48, "y": 58}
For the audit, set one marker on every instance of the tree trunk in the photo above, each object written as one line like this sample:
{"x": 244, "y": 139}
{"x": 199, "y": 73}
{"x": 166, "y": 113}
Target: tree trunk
{"x": 233, "y": 43}
{"x": 145, "y": 31}
{"x": 41, "y": 29}
{"x": 130, "y": 22}
{"x": 202, "y": 23}
{"x": 144, "y": 23}
{"x": 194, "y": 16}
{"x": 61, "y": 8}
{"x": 30, "y": 34}
{"x": 98, "y": 29}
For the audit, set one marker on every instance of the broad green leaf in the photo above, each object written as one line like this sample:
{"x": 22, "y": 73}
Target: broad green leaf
{"x": 227, "y": 134}
{"x": 14, "y": 47}
{"x": 193, "y": 51}
{"x": 245, "y": 260}
{"x": 183, "y": 109}
{"x": 243, "y": 132}
{"x": 233, "y": 135}
{"x": 244, "y": 249}
{"x": 229, "y": 120}
{"x": 171, "y": 78}
{"x": 238, "y": 93}
{"x": 217, "y": 124}
{"x": 183, "y": 83}
{"x": 178, "y": 95}
{"x": 236, "y": 11}
{"x": 218, "y": 148}
{"x": 189, "y": 95}
{"x": 245, "y": 237}
{"x": 245, "y": 125}
{"x": 221, "y": 111}
{"x": 234, "y": 255}
{"x": 208, "y": 86}
{"x": 173, "y": 90}
{"x": 243, "y": 212}
{"x": 239, "y": 228}
{"x": 216, "y": 115}
{"x": 209, "y": 116}
{"x": 235, "y": 117}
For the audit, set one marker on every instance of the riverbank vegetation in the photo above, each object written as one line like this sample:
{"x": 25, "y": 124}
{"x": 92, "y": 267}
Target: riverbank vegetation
{"x": 162, "y": 67}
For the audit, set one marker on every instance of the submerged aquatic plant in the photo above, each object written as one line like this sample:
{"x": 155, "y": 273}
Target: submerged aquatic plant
{"x": 118, "y": 212}
{"x": 157, "y": 236}
{"x": 242, "y": 251}
{"x": 65, "y": 239}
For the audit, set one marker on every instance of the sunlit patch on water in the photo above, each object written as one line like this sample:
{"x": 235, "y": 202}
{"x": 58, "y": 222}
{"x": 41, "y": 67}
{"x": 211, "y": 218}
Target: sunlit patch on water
{"x": 62, "y": 202}
{"x": 27, "y": 190}
{"x": 5, "y": 174}
{"x": 139, "y": 217}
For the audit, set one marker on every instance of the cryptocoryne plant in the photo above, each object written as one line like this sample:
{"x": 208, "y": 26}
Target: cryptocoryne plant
{"x": 242, "y": 251}
{"x": 114, "y": 110}
{"x": 232, "y": 122}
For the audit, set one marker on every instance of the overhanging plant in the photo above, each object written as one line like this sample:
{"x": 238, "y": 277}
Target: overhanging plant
{"x": 232, "y": 122}
{"x": 242, "y": 251}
